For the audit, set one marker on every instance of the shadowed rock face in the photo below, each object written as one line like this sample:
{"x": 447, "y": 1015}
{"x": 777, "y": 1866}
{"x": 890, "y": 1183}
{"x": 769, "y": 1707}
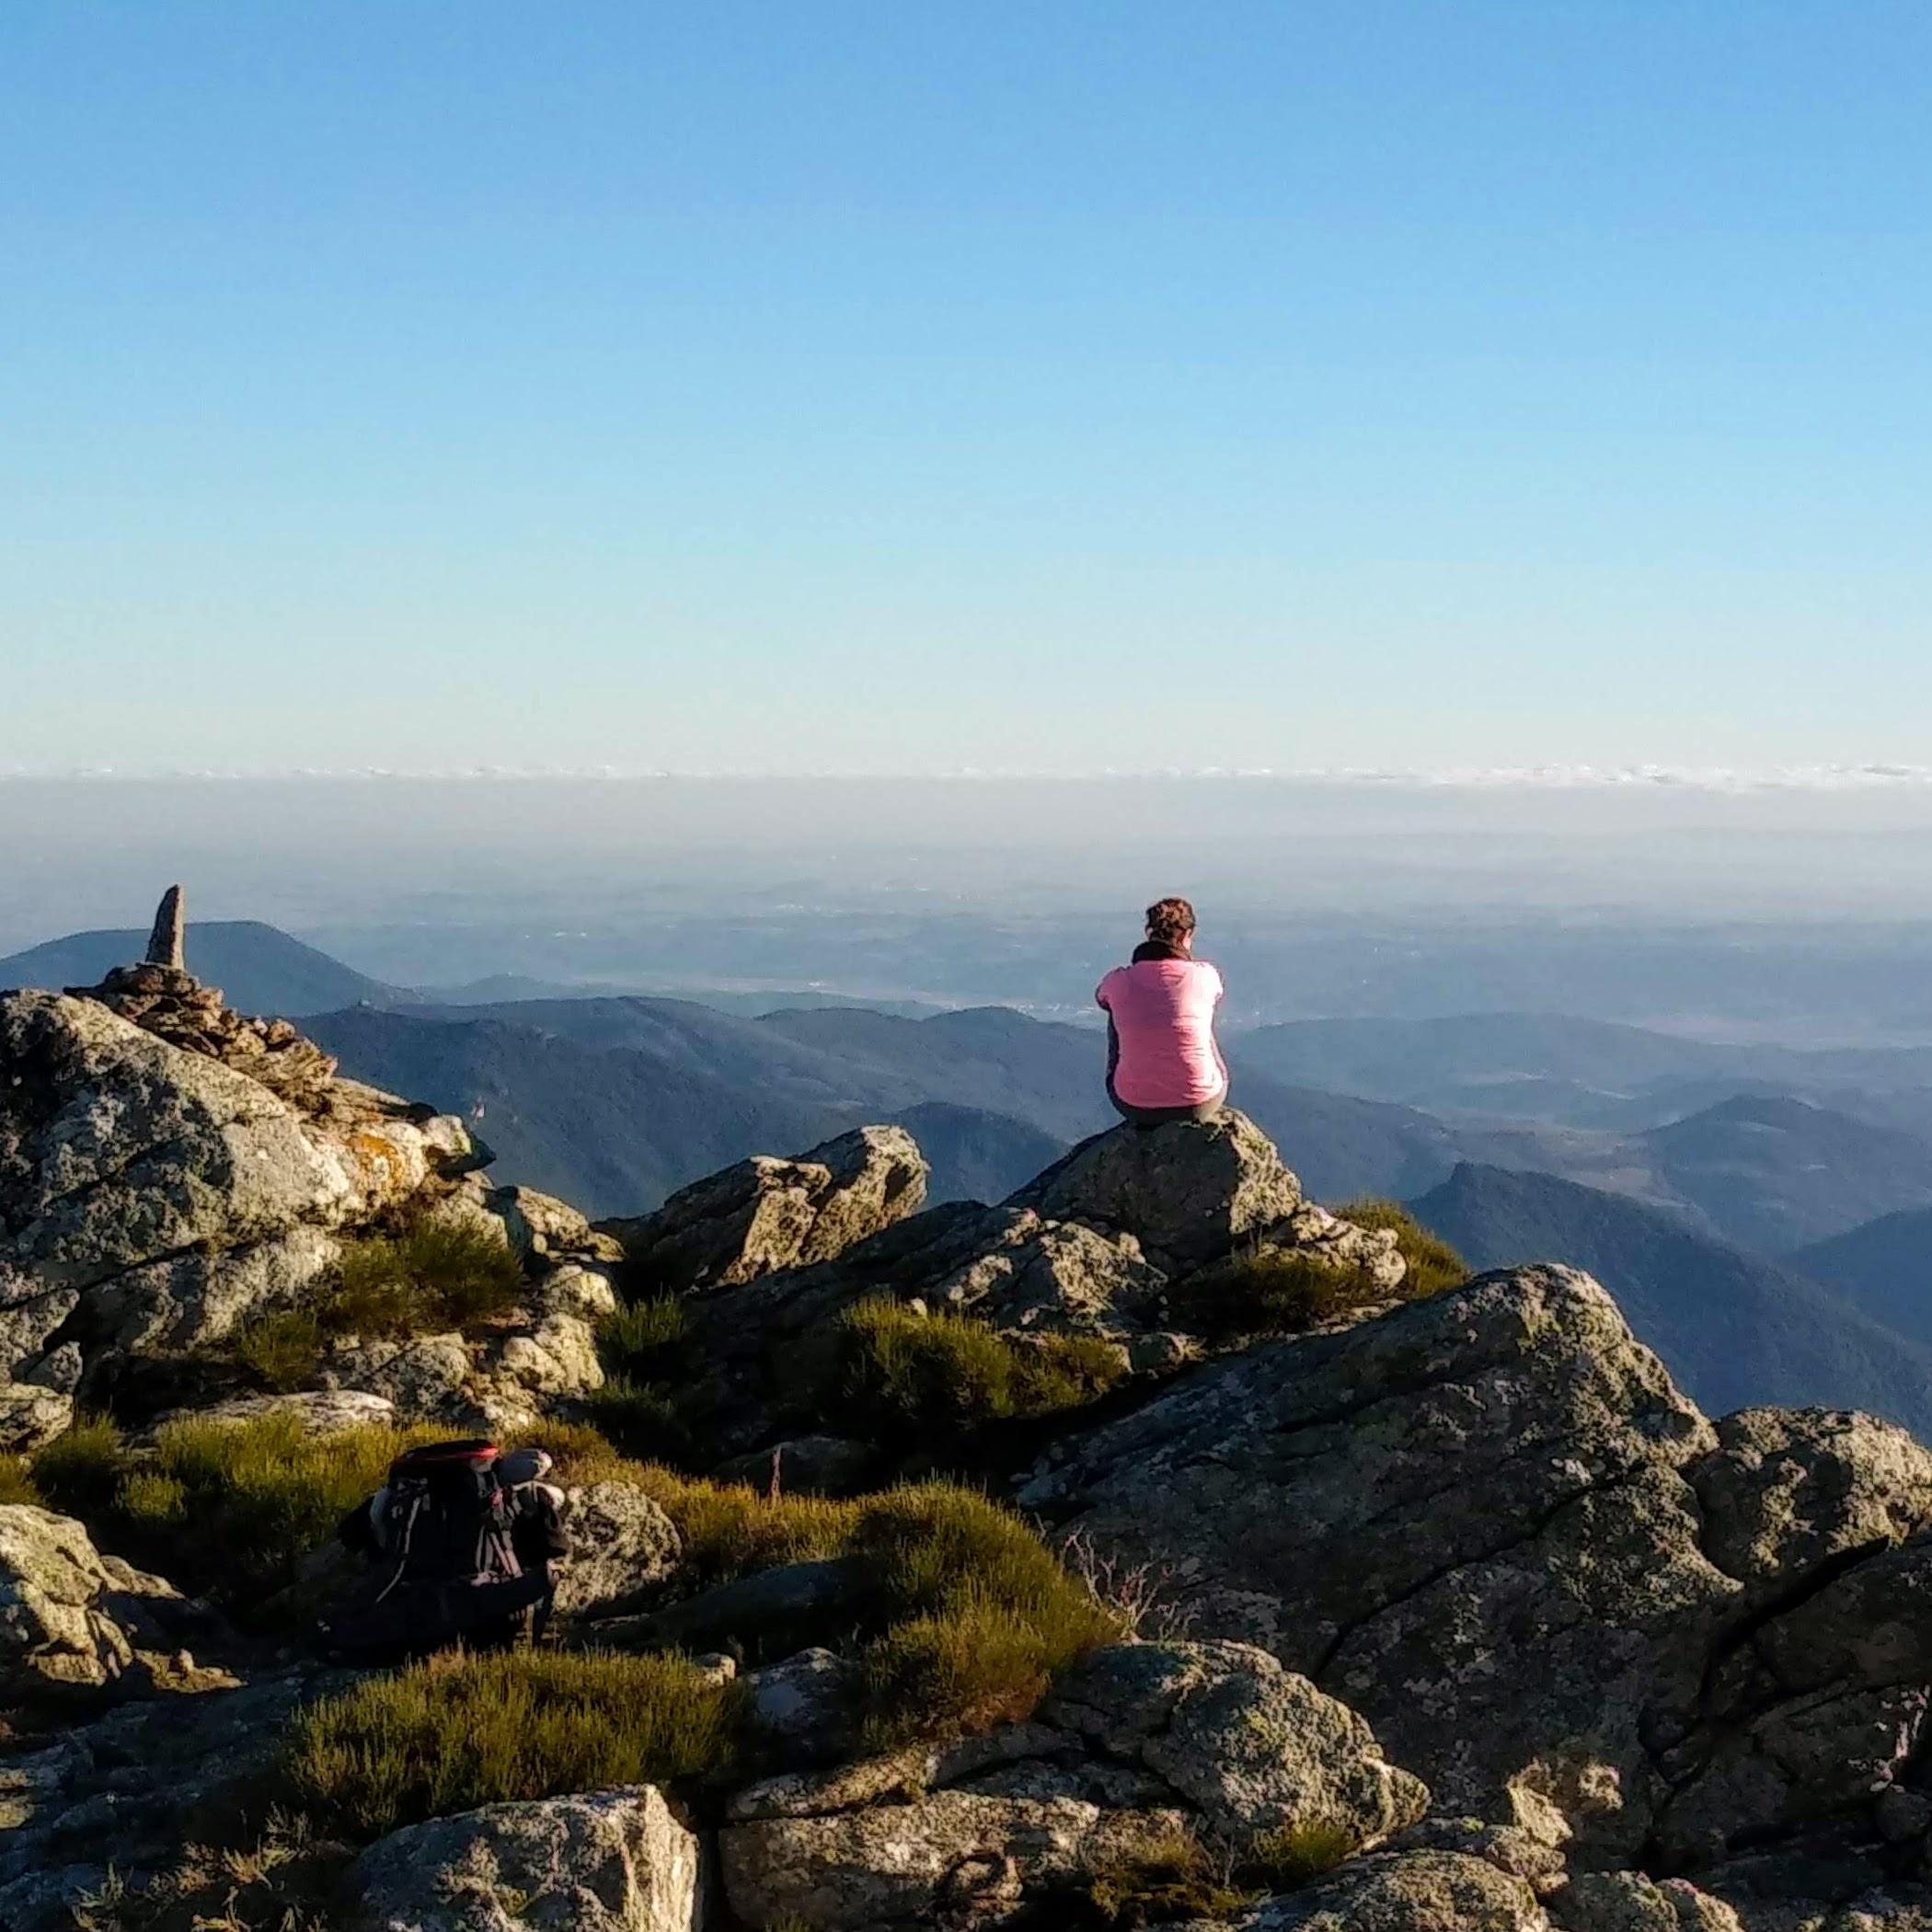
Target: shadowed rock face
{"x": 1490, "y": 1524}
{"x": 71, "y": 1617}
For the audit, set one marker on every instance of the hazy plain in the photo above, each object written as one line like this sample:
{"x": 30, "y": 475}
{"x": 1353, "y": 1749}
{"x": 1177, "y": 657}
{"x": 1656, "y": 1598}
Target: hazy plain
{"x": 1798, "y": 907}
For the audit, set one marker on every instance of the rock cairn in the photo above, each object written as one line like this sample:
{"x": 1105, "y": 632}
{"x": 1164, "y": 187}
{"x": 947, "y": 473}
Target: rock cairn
{"x": 162, "y": 997}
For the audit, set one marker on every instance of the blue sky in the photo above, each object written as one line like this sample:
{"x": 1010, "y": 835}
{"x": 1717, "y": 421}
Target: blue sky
{"x": 881, "y": 387}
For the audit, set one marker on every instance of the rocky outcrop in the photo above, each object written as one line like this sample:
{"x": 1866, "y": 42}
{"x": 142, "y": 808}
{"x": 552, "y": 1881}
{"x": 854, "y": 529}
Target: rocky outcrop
{"x": 1249, "y": 1745}
{"x": 1629, "y": 1901}
{"x": 539, "y": 1225}
{"x": 1188, "y": 1192}
{"x": 1491, "y": 1524}
{"x": 1789, "y": 1492}
{"x": 152, "y": 1193}
{"x": 129, "y": 1789}
{"x": 1661, "y": 1674}
{"x": 1407, "y": 1892}
{"x": 952, "y": 1860}
{"x": 71, "y": 1617}
{"x": 603, "y": 1861}
{"x": 767, "y": 1214}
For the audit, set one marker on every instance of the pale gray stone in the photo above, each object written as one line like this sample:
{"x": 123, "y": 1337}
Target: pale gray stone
{"x": 1188, "y": 1192}
{"x": 1254, "y": 1747}
{"x": 68, "y": 1615}
{"x": 599, "y": 1861}
{"x": 31, "y": 1415}
{"x": 166, "y": 944}
{"x": 1407, "y": 1892}
{"x": 621, "y": 1544}
{"x": 767, "y": 1214}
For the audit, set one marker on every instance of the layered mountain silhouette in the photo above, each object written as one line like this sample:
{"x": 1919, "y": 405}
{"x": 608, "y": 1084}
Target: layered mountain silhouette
{"x": 1777, "y": 1173}
{"x": 260, "y": 968}
{"x": 616, "y": 1103}
{"x": 1733, "y": 1327}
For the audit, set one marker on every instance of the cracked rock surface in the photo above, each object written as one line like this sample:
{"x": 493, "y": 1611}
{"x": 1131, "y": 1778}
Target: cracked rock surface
{"x": 1490, "y": 1524}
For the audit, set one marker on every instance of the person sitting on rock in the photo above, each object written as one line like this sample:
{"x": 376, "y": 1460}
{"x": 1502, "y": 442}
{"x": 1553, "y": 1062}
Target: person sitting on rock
{"x": 1162, "y": 1062}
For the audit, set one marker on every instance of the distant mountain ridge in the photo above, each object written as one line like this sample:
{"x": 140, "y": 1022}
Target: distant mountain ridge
{"x": 714, "y": 1077}
{"x": 616, "y": 1103}
{"x": 260, "y": 968}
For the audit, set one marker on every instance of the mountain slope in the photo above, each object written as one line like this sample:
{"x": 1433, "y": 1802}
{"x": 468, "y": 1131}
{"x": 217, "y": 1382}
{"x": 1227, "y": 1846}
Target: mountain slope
{"x": 615, "y": 1102}
{"x": 1885, "y": 1267}
{"x": 977, "y": 1156}
{"x": 1550, "y": 1066}
{"x": 612, "y": 1129}
{"x": 1775, "y": 1173}
{"x": 258, "y": 967}
{"x": 1735, "y": 1330}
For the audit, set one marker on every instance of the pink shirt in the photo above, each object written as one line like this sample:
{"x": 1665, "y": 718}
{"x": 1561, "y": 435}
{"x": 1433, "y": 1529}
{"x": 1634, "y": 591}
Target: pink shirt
{"x": 1164, "y": 1015}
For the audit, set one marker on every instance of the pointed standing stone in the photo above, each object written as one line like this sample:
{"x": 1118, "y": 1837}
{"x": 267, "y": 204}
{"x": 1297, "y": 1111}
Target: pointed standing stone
{"x": 167, "y": 947}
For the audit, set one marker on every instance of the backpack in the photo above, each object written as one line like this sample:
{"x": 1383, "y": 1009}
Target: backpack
{"x": 446, "y": 1569}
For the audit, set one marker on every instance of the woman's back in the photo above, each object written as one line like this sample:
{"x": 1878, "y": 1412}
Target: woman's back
{"x": 1163, "y": 1012}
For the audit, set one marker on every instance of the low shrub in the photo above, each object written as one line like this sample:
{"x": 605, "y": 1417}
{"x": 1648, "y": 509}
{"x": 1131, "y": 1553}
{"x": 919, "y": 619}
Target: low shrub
{"x": 635, "y": 1340}
{"x": 729, "y": 1530}
{"x": 79, "y": 1472}
{"x": 1270, "y": 1290}
{"x": 982, "y": 1616}
{"x": 906, "y": 1369}
{"x": 434, "y": 1276}
{"x": 1434, "y": 1265}
{"x": 971, "y": 1615}
{"x": 1280, "y": 1860}
{"x": 581, "y": 1453}
{"x": 227, "y": 1510}
{"x": 282, "y": 1879}
{"x": 637, "y": 1419}
{"x": 457, "y": 1732}
{"x": 17, "y": 1483}
{"x": 1162, "y": 1877}
{"x": 282, "y": 1348}
{"x": 241, "y": 1503}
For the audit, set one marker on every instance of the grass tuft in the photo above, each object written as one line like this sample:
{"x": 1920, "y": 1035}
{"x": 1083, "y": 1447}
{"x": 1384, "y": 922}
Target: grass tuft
{"x": 1270, "y": 1290}
{"x": 456, "y": 1732}
{"x": 1162, "y": 1878}
{"x": 908, "y": 1369}
{"x": 971, "y": 1617}
{"x": 982, "y": 1616}
{"x": 435, "y": 1276}
{"x": 1434, "y": 1265}
{"x": 633, "y": 1341}
{"x": 283, "y": 1880}
{"x": 79, "y": 1472}
{"x": 282, "y": 1348}
{"x": 17, "y": 1483}
{"x": 224, "y": 1508}
{"x": 637, "y": 1420}
{"x": 1280, "y": 1860}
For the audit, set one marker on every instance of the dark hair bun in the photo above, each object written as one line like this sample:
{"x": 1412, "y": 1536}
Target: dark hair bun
{"x": 1169, "y": 921}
